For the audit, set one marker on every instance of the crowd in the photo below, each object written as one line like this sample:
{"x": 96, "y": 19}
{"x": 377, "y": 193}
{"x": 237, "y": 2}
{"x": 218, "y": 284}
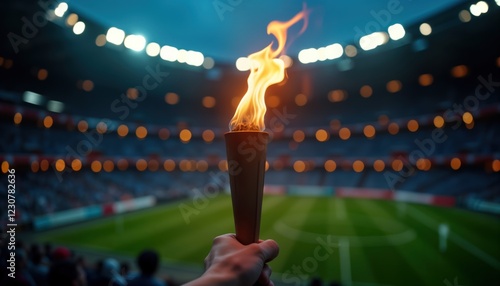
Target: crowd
{"x": 46, "y": 265}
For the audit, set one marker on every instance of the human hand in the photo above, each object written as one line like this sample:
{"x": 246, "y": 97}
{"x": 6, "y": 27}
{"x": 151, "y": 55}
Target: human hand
{"x": 231, "y": 263}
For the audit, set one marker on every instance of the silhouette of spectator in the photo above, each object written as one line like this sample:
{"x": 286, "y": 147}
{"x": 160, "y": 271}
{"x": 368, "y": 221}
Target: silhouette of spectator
{"x": 38, "y": 269}
{"x": 110, "y": 274}
{"x": 148, "y": 262}
{"x": 66, "y": 273}
{"x": 316, "y": 282}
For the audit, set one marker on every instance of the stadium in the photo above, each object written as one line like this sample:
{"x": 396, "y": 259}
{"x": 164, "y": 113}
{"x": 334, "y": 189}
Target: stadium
{"x": 383, "y": 157}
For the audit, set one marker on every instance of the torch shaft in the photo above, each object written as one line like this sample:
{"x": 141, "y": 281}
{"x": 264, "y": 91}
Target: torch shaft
{"x": 246, "y": 156}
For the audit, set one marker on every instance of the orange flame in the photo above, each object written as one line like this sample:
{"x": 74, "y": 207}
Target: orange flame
{"x": 265, "y": 70}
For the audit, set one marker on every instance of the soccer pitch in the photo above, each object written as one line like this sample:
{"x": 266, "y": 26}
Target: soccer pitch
{"x": 354, "y": 241}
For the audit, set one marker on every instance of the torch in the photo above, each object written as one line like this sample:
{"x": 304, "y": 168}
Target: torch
{"x": 246, "y": 142}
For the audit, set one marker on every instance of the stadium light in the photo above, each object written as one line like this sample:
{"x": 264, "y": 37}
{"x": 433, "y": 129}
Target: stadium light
{"x": 32, "y": 97}
{"x": 169, "y": 53}
{"x": 243, "y": 64}
{"x": 396, "y": 31}
{"x": 334, "y": 51}
{"x": 194, "y": 58}
{"x": 208, "y": 63}
{"x": 373, "y": 40}
{"x": 55, "y": 106}
{"x": 308, "y": 56}
{"x": 61, "y": 9}
{"x": 135, "y": 42}
{"x": 115, "y": 36}
{"x": 482, "y": 7}
{"x": 153, "y": 49}
{"x": 425, "y": 29}
{"x": 79, "y": 27}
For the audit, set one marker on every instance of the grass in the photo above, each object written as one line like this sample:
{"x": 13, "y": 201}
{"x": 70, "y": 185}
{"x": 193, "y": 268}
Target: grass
{"x": 389, "y": 243}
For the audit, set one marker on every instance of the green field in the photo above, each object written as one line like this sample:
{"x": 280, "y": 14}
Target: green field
{"x": 372, "y": 242}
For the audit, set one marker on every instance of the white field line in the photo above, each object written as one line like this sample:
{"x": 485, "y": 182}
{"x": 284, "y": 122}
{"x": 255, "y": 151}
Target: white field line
{"x": 432, "y": 224}
{"x": 345, "y": 262}
{"x": 340, "y": 211}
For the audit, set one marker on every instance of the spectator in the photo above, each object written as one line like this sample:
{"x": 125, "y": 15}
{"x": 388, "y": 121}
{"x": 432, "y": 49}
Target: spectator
{"x": 148, "y": 262}
{"x": 66, "y": 273}
{"x": 38, "y": 270}
{"x": 110, "y": 275}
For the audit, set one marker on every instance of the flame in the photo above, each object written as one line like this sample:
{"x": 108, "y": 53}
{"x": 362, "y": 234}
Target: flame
{"x": 265, "y": 70}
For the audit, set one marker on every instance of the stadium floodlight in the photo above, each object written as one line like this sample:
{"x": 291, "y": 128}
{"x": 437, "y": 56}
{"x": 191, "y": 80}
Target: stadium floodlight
{"x": 482, "y": 7}
{"x": 474, "y": 10}
{"x": 373, "y": 40}
{"x": 243, "y": 64}
{"x": 61, "y": 9}
{"x": 194, "y": 58}
{"x": 396, "y": 31}
{"x": 153, "y": 49}
{"x": 55, "y": 106}
{"x": 169, "y": 53}
{"x": 308, "y": 56}
{"x": 79, "y": 27}
{"x": 135, "y": 42}
{"x": 115, "y": 36}
{"x": 425, "y": 29}
{"x": 32, "y": 97}
{"x": 334, "y": 51}
{"x": 208, "y": 63}
{"x": 182, "y": 56}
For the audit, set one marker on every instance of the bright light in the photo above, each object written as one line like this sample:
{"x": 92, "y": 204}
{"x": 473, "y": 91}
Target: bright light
{"x": 208, "y": 63}
{"x": 55, "y": 106}
{"x": 334, "y": 51}
{"x": 396, "y": 31}
{"x": 482, "y": 7}
{"x": 373, "y": 40}
{"x": 351, "y": 51}
{"x": 181, "y": 56}
{"x": 153, "y": 49}
{"x": 498, "y": 2}
{"x": 135, "y": 42}
{"x": 313, "y": 55}
{"x": 475, "y": 10}
{"x": 61, "y": 9}
{"x": 322, "y": 54}
{"x": 464, "y": 16}
{"x": 425, "y": 29}
{"x": 243, "y": 64}
{"x": 79, "y": 27}
{"x": 32, "y": 97}
{"x": 169, "y": 53}
{"x": 115, "y": 36}
{"x": 308, "y": 56}
{"x": 194, "y": 58}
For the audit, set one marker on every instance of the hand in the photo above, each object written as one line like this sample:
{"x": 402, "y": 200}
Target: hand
{"x": 231, "y": 263}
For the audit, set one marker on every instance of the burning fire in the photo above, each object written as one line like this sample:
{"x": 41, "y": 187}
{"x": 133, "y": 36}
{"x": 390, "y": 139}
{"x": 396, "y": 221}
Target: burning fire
{"x": 265, "y": 70}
